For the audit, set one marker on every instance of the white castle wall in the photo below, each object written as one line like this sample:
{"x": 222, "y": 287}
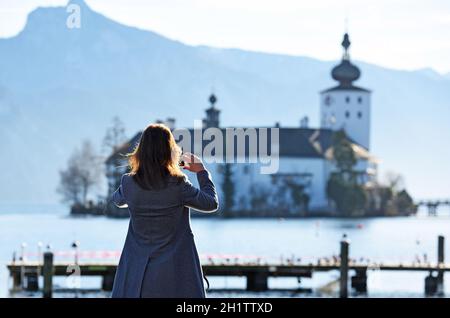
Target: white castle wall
{"x": 347, "y": 109}
{"x": 247, "y": 176}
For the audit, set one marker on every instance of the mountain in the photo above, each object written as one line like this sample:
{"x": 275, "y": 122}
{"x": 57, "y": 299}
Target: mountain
{"x": 60, "y": 85}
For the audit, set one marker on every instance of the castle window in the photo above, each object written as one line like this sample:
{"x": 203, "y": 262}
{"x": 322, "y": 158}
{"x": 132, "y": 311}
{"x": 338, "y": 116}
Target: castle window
{"x": 359, "y": 100}
{"x": 347, "y": 99}
{"x": 347, "y": 114}
{"x": 359, "y": 115}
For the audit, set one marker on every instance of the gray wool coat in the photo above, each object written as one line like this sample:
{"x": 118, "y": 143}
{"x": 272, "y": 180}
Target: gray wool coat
{"x": 159, "y": 258}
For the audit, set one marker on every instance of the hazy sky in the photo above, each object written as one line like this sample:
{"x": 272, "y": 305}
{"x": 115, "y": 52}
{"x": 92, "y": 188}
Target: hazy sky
{"x": 402, "y": 34}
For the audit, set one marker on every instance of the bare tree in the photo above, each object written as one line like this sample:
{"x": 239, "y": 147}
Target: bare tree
{"x": 394, "y": 181}
{"x": 115, "y": 136}
{"x": 82, "y": 175}
{"x": 70, "y": 183}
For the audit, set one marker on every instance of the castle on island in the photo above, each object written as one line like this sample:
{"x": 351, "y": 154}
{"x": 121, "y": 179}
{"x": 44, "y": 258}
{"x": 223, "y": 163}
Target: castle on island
{"x": 305, "y": 154}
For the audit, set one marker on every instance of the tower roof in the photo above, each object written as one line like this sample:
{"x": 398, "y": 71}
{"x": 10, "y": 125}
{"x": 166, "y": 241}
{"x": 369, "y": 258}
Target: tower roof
{"x": 212, "y": 100}
{"x": 345, "y": 72}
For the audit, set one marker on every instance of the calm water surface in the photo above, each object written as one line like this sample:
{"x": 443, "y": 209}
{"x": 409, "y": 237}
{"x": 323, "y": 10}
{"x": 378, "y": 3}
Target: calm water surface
{"x": 381, "y": 239}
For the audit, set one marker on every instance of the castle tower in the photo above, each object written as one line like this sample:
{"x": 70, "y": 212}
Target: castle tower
{"x": 212, "y": 113}
{"x": 347, "y": 106}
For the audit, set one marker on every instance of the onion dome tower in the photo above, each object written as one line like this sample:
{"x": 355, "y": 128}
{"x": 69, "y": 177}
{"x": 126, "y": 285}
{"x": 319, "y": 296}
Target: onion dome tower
{"x": 345, "y": 72}
{"x": 347, "y": 106}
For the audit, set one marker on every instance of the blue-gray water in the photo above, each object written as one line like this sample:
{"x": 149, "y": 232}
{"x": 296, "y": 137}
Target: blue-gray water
{"x": 380, "y": 239}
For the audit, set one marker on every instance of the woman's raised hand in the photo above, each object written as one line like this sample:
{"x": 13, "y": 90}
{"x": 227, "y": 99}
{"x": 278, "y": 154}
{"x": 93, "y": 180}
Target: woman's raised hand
{"x": 192, "y": 162}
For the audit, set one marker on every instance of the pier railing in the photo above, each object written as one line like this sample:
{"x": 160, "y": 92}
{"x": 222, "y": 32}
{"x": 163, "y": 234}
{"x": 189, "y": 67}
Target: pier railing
{"x": 25, "y": 274}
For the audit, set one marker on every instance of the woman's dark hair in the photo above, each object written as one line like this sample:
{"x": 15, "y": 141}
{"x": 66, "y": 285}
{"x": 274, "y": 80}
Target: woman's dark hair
{"x": 155, "y": 158}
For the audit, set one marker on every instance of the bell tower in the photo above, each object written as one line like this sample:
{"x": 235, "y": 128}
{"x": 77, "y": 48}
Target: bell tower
{"x": 212, "y": 113}
{"x": 347, "y": 106}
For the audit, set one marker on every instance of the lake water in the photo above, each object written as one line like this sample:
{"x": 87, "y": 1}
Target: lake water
{"x": 380, "y": 239}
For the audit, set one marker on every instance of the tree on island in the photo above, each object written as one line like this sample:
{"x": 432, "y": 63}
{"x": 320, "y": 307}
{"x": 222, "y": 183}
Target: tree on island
{"x": 114, "y": 138}
{"x": 300, "y": 198}
{"x": 355, "y": 199}
{"x": 81, "y": 176}
{"x": 342, "y": 187}
{"x": 405, "y": 203}
{"x": 395, "y": 199}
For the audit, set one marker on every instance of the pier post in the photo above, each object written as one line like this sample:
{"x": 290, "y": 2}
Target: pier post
{"x": 343, "y": 290}
{"x": 16, "y": 276}
{"x": 17, "y": 281}
{"x": 108, "y": 281}
{"x": 257, "y": 281}
{"x": 47, "y": 271}
{"x": 32, "y": 280}
{"x": 431, "y": 285}
{"x": 359, "y": 281}
{"x": 432, "y": 209}
{"x": 440, "y": 276}
{"x": 22, "y": 267}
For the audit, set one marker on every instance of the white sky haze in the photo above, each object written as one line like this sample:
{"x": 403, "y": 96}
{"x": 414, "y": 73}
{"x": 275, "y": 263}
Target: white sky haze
{"x": 401, "y": 34}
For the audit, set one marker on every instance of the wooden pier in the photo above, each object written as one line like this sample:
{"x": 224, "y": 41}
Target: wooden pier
{"x": 25, "y": 274}
{"x": 433, "y": 205}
